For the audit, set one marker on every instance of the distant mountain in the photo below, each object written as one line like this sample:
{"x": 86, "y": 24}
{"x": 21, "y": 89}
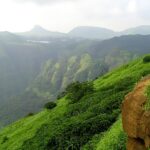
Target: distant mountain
{"x": 91, "y": 32}
{"x": 85, "y": 32}
{"x": 103, "y": 33}
{"x": 6, "y": 36}
{"x": 39, "y": 31}
{"x": 143, "y": 30}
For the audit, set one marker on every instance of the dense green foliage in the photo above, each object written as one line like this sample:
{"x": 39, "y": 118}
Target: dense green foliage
{"x": 50, "y": 105}
{"x": 75, "y": 91}
{"x": 146, "y": 59}
{"x": 113, "y": 139}
{"x": 77, "y": 125}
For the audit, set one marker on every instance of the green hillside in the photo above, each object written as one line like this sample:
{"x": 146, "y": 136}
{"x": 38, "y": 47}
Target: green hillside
{"x": 83, "y": 119}
{"x": 33, "y": 73}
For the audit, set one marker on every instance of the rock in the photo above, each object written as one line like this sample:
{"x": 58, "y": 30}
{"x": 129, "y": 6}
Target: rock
{"x": 136, "y": 121}
{"x": 135, "y": 144}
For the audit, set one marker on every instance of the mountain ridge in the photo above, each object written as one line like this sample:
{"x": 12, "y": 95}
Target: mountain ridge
{"x": 88, "y": 32}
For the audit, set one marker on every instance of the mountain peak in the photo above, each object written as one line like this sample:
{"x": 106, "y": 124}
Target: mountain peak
{"x": 38, "y": 31}
{"x": 38, "y": 28}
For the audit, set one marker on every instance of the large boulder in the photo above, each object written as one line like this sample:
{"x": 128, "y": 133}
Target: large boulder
{"x": 136, "y": 121}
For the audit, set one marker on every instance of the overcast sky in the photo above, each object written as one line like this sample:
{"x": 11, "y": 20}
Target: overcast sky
{"x": 63, "y": 15}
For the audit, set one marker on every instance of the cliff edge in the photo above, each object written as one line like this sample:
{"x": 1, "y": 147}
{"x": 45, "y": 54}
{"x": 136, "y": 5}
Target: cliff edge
{"x": 135, "y": 119}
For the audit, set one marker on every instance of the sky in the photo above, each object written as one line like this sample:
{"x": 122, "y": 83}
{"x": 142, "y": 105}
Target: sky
{"x": 64, "y": 15}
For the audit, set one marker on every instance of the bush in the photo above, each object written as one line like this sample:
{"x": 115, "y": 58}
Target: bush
{"x": 50, "y": 105}
{"x": 146, "y": 59}
{"x": 77, "y": 90}
{"x": 5, "y": 138}
{"x": 29, "y": 114}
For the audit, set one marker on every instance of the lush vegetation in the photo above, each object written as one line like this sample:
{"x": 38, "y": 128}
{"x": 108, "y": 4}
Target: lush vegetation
{"x": 146, "y": 59}
{"x": 75, "y": 91}
{"x": 113, "y": 139}
{"x": 91, "y": 121}
{"x": 33, "y": 73}
{"x": 50, "y": 105}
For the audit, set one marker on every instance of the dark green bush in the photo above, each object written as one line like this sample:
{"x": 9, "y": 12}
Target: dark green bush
{"x": 146, "y": 59}
{"x": 29, "y": 114}
{"x": 77, "y": 90}
{"x": 50, "y": 105}
{"x": 5, "y": 138}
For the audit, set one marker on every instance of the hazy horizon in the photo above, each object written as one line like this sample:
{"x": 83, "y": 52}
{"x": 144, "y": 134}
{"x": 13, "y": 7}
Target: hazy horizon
{"x": 64, "y": 15}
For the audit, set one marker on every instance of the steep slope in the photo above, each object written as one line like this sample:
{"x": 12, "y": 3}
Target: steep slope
{"x": 75, "y": 121}
{"x": 36, "y": 72}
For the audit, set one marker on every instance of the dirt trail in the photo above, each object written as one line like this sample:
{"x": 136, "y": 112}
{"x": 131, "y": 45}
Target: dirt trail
{"x": 136, "y": 121}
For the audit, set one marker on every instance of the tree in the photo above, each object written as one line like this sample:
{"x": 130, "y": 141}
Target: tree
{"x": 75, "y": 91}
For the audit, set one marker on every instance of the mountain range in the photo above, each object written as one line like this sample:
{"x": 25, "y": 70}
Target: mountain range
{"x": 66, "y": 87}
{"x": 87, "y": 32}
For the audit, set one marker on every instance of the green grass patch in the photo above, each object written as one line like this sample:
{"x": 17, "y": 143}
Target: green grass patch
{"x": 113, "y": 139}
{"x": 147, "y": 104}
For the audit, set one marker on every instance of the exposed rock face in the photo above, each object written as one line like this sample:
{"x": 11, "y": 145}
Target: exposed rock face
{"x": 136, "y": 121}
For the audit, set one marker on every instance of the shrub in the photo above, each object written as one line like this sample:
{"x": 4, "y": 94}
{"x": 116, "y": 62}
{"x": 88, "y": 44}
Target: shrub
{"x": 61, "y": 95}
{"x": 50, "y": 105}
{"x": 5, "y": 138}
{"x": 77, "y": 90}
{"x": 146, "y": 59}
{"x": 29, "y": 114}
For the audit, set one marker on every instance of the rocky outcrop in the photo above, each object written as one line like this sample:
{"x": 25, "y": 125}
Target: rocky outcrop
{"x": 136, "y": 121}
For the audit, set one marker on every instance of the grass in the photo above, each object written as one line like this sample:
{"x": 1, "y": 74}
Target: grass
{"x": 147, "y": 104}
{"x": 113, "y": 139}
{"x": 26, "y": 128}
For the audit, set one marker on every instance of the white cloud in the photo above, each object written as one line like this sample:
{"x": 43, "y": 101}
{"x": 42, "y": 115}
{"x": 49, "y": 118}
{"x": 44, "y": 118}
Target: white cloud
{"x": 63, "y": 15}
{"x": 132, "y": 6}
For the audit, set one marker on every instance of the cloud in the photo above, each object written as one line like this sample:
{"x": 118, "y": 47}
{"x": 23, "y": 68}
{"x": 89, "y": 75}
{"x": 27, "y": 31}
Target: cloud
{"x": 42, "y": 2}
{"x": 63, "y": 15}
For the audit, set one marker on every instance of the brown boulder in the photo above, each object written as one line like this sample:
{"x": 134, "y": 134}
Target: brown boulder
{"x": 136, "y": 121}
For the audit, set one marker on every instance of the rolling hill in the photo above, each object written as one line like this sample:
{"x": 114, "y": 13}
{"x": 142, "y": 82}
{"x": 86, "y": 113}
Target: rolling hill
{"x": 91, "y": 32}
{"x": 143, "y": 30}
{"x": 103, "y": 33}
{"x": 82, "y": 119}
